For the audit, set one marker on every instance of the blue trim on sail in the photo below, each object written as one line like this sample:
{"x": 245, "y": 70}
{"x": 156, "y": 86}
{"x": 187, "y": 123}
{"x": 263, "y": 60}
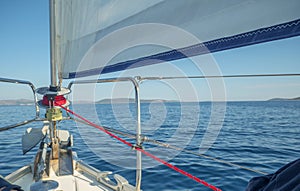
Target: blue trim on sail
{"x": 276, "y": 32}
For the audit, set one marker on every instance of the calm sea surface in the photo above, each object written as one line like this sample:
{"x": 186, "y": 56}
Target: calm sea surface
{"x": 259, "y": 135}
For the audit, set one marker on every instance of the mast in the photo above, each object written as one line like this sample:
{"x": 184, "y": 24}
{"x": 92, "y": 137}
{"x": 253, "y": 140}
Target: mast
{"x": 51, "y": 111}
{"x": 53, "y": 69}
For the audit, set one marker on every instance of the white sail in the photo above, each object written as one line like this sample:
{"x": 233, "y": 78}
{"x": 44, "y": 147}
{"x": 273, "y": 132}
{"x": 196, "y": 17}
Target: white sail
{"x": 113, "y": 35}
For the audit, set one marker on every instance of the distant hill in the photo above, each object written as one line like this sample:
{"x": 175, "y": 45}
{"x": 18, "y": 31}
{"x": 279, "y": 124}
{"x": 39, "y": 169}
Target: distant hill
{"x": 284, "y": 99}
{"x": 130, "y": 100}
{"x": 82, "y": 102}
{"x": 297, "y": 98}
{"x": 16, "y": 102}
{"x": 117, "y": 100}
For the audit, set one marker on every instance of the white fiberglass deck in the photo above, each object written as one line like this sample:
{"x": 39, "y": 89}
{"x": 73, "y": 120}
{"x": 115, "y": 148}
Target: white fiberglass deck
{"x": 84, "y": 178}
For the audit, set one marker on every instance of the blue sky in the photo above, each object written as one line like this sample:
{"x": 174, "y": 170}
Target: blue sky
{"x": 24, "y": 54}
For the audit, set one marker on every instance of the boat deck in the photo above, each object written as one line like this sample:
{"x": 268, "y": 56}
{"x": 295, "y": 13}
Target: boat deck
{"x": 84, "y": 178}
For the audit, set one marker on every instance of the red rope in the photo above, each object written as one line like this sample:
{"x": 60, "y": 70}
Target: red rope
{"x": 143, "y": 151}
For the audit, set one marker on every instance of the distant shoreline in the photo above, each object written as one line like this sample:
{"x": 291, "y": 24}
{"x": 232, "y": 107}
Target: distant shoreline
{"x": 285, "y": 99}
{"x": 129, "y": 100}
{"x": 17, "y": 102}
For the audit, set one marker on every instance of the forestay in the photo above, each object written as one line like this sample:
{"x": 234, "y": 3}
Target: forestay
{"x": 102, "y": 36}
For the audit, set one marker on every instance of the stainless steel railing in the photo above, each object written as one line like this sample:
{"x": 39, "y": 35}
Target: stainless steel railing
{"x": 37, "y": 109}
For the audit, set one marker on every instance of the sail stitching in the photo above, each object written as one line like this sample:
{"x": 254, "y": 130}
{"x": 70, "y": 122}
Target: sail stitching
{"x": 253, "y": 37}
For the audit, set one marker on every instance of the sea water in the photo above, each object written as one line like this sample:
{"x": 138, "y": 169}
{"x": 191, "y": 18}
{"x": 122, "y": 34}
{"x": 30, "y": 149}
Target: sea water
{"x": 262, "y": 135}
